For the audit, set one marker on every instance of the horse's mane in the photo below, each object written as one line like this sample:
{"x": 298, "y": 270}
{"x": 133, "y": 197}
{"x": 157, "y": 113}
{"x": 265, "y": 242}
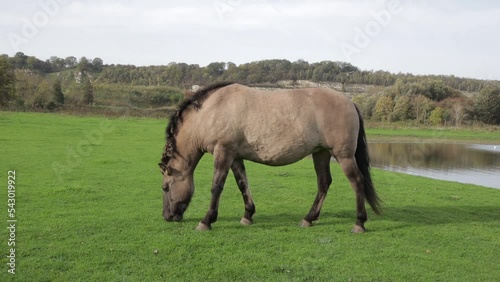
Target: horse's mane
{"x": 195, "y": 102}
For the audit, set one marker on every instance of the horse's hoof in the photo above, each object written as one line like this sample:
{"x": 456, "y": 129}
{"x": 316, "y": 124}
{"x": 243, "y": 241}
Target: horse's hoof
{"x": 246, "y": 221}
{"x": 305, "y": 223}
{"x": 358, "y": 229}
{"x": 203, "y": 227}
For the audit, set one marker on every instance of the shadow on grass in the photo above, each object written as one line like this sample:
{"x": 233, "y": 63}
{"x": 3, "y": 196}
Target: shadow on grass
{"x": 286, "y": 220}
{"x": 442, "y": 215}
{"x": 278, "y": 220}
{"x": 410, "y": 215}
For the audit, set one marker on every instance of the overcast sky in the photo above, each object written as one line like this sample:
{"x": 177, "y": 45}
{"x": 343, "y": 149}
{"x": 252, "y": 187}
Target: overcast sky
{"x": 417, "y": 36}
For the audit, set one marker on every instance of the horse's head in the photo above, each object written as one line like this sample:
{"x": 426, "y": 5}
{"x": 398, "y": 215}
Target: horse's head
{"x": 178, "y": 189}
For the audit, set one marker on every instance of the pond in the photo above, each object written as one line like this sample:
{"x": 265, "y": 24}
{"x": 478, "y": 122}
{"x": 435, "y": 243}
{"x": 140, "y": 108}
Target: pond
{"x": 465, "y": 163}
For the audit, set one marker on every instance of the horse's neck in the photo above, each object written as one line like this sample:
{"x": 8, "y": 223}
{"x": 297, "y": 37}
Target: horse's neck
{"x": 189, "y": 155}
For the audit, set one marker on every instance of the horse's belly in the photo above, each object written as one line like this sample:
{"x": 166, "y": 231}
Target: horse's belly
{"x": 276, "y": 155}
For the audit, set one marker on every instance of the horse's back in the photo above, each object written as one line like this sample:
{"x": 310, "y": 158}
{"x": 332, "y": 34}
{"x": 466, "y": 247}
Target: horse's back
{"x": 280, "y": 127}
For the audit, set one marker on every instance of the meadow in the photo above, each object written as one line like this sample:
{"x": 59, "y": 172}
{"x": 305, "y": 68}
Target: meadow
{"x": 400, "y": 132}
{"x": 88, "y": 208}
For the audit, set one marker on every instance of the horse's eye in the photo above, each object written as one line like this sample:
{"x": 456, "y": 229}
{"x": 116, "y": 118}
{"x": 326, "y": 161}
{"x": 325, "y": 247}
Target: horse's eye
{"x": 165, "y": 188}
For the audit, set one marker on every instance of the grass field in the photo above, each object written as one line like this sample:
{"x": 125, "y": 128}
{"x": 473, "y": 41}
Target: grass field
{"x": 88, "y": 208}
{"x": 479, "y": 135}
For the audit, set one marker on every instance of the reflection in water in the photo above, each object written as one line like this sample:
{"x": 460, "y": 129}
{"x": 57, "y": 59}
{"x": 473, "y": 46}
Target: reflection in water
{"x": 475, "y": 164}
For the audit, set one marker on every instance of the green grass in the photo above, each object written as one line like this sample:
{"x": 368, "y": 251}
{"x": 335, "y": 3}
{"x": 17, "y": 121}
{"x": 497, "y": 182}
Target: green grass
{"x": 101, "y": 219}
{"x": 481, "y": 135}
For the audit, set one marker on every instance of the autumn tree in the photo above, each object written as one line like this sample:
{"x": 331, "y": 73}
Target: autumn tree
{"x": 214, "y": 70}
{"x": 57, "y": 63}
{"x": 97, "y": 64}
{"x": 70, "y": 62}
{"x": 20, "y": 60}
{"x": 436, "y": 116}
{"x": 399, "y": 87}
{"x": 84, "y": 64}
{"x": 57, "y": 94}
{"x": 88, "y": 92}
{"x": 366, "y": 103}
{"x": 458, "y": 113}
{"x": 402, "y": 109}
{"x": 383, "y": 108}
{"x": 422, "y": 106}
{"x": 487, "y": 107}
{"x": 7, "y": 81}
{"x": 26, "y": 86}
{"x": 37, "y": 65}
{"x": 42, "y": 95}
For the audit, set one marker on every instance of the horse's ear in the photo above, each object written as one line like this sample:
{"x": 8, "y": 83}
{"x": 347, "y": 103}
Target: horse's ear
{"x": 168, "y": 169}
{"x": 172, "y": 171}
{"x": 163, "y": 167}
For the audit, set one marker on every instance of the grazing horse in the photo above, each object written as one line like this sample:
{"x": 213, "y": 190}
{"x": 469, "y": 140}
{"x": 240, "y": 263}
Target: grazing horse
{"x": 235, "y": 123}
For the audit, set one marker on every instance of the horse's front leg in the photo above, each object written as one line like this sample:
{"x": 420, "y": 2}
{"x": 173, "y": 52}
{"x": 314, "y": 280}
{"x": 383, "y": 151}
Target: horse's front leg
{"x": 240, "y": 175}
{"x": 222, "y": 165}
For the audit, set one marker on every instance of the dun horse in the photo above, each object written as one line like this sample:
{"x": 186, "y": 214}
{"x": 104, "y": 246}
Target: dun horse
{"x": 236, "y": 123}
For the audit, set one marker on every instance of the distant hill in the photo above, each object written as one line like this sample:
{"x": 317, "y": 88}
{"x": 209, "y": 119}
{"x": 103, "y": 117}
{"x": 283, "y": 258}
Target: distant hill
{"x": 382, "y": 95}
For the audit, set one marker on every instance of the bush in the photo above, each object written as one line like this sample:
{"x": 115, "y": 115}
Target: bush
{"x": 487, "y": 107}
{"x": 436, "y": 117}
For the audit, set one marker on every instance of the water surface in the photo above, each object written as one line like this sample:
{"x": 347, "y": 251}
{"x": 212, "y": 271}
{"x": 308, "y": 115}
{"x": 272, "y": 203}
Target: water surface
{"x": 466, "y": 163}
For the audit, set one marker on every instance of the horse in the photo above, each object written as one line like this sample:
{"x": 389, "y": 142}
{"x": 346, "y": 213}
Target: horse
{"x": 234, "y": 123}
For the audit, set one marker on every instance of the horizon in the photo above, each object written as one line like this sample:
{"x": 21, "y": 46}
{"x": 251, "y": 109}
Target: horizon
{"x": 419, "y": 37}
{"x": 310, "y": 63}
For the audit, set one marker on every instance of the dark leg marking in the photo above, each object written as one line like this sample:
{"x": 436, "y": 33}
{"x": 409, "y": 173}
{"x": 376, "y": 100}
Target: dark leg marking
{"x": 222, "y": 164}
{"x": 355, "y": 177}
{"x": 324, "y": 179}
{"x": 239, "y": 172}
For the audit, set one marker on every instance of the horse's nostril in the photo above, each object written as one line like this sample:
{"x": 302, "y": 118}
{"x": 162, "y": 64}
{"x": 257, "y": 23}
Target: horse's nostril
{"x": 165, "y": 188}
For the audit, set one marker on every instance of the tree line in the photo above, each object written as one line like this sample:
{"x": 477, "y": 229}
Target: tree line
{"x": 430, "y": 102}
{"x": 26, "y": 81}
{"x": 270, "y": 71}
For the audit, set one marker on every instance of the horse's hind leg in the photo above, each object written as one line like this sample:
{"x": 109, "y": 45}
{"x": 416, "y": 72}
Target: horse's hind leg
{"x": 355, "y": 177}
{"x": 324, "y": 177}
{"x": 240, "y": 175}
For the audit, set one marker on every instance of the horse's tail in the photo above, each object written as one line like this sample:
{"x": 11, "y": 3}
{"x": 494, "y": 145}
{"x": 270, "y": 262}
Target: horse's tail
{"x": 363, "y": 161}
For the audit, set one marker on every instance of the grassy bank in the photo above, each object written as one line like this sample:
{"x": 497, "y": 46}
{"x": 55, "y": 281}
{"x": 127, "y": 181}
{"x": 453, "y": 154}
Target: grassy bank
{"x": 88, "y": 205}
{"x": 449, "y": 134}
